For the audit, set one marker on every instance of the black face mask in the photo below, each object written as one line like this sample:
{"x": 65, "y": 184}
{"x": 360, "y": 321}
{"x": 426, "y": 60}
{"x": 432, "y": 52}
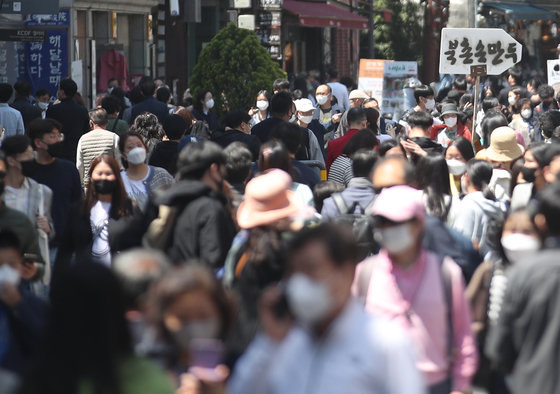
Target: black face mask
{"x": 56, "y": 149}
{"x": 528, "y": 174}
{"x": 104, "y": 186}
{"x": 28, "y": 167}
{"x": 2, "y": 185}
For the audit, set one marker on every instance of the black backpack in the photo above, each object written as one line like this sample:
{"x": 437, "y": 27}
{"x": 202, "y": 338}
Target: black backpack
{"x": 361, "y": 223}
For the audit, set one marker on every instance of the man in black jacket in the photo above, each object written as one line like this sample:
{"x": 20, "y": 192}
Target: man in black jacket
{"x": 523, "y": 341}
{"x": 149, "y": 104}
{"x": 238, "y": 129}
{"x": 73, "y": 117}
{"x": 204, "y": 228}
{"x": 22, "y": 103}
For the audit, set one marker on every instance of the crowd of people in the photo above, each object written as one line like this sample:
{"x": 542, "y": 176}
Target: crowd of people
{"x": 304, "y": 244}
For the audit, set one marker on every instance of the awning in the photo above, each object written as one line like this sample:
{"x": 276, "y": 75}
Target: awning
{"x": 524, "y": 11}
{"x": 324, "y": 15}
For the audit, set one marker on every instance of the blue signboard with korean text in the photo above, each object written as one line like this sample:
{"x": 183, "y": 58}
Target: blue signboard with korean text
{"x": 47, "y": 62}
{"x": 60, "y": 19}
{"x": 38, "y": 52}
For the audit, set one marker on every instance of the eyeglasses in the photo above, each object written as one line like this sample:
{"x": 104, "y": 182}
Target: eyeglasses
{"x": 54, "y": 137}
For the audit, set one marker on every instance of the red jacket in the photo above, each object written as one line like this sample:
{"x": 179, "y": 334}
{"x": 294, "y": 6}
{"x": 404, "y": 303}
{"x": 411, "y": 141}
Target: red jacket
{"x": 462, "y": 131}
{"x": 335, "y": 147}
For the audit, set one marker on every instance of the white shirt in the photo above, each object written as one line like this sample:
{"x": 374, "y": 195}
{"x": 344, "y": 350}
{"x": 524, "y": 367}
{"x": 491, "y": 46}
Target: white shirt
{"x": 99, "y": 220}
{"x": 136, "y": 190}
{"x": 359, "y": 354}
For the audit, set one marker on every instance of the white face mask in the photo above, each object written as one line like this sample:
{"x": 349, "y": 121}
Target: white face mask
{"x": 42, "y": 105}
{"x": 527, "y": 113}
{"x": 321, "y": 99}
{"x": 520, "y": 247}
{"x": 209, "y": 104}
{"x": 262, "y": 105}
{"x": 110, "y": 90}
{"x": 395, "y": 239}
{"x": 9, "y": 275}
{"x": 293, "y": 119}
{"x": 430, "y": 104}
{"x": 136, "y": 156}
{"x": 310, "y": 301}
{"x": 205, "y": 329}
{"x": 456, "y": 167}
{"x": 450, "y": 122}
{"x": 511, "y": 100}
{"x": 306, "y": 119}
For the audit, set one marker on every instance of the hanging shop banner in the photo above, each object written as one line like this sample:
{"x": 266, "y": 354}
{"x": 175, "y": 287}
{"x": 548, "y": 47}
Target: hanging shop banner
{"x": 370, "y": 78}
{"x": 395, "y": 76}
{"x": 47, "y": 63}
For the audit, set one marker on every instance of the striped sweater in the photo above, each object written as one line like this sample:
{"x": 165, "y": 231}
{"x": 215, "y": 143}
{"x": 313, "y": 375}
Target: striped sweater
{"x": 93, "y": 144}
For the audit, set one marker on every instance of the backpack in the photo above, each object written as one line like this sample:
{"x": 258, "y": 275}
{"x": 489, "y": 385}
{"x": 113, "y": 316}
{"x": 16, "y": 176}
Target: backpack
{"x": 160, "y": 221}
{"x": 200, "y": 130}
{"x": 361, "y": 224}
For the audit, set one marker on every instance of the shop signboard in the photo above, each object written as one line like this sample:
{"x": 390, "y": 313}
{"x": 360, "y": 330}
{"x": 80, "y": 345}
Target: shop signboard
{"x": 463, "y": 48}
{"x": 62, "y": 18}
{"x": 370, "y": 77}
{"x": 275, "y": 4}
{"x": 395, "y": 76}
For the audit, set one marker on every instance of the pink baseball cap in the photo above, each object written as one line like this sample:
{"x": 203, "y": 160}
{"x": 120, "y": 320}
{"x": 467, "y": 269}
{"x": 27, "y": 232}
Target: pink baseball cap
{"x": 399, "y": 204}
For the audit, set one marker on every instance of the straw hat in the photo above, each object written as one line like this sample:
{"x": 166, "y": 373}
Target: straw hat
{"x": 268, "y": 198}
{"x": 503, "y": 145}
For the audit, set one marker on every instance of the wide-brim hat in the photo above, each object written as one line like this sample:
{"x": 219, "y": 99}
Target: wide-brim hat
{"x": 449, "y": 108}
{"x": 503, "y": 145}
{"x": 268, "y": 198}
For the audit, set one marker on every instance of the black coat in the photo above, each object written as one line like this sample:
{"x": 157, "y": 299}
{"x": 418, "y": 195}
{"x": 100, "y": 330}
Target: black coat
{"x": 28, "y": 111}
{"x": 151, "y": 105}
{"x": 204, "y": 228}
{"x": 76, "y": 242}
{"x": 75, "y": 123}
{"x": 252, "y": 142}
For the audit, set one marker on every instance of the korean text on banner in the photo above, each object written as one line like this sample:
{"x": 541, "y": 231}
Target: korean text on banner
{"x": 463, "y": 48}
{"x": 370, "y": 78}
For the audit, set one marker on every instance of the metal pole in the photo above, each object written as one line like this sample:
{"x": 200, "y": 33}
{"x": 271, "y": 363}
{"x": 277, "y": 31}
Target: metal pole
{"x": 475, "y": 13}
{"x": 371, "y": 48}
{"x": 475, "y": 110}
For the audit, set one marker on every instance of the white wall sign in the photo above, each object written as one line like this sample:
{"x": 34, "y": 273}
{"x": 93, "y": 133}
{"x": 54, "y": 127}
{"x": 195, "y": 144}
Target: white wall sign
{"x": 553, "y": 67}
{"x": 395, "y": 75}
{"x": 463, "y": 48}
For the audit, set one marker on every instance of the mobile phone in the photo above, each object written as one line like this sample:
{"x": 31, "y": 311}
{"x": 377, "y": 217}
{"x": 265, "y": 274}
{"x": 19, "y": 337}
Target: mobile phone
{"x": 206, "y": 353}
